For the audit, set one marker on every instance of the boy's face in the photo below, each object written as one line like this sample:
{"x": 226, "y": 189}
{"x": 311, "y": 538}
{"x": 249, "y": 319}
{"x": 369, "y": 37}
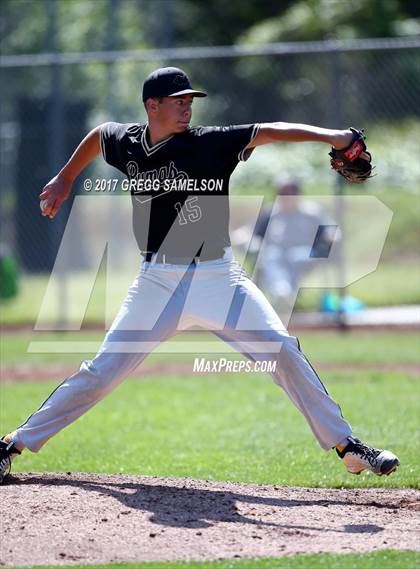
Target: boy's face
{"x": 172, "y": 113}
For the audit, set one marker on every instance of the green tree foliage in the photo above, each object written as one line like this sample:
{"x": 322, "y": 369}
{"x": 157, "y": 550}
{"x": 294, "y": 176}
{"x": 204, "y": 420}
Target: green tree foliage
{"x": 308, "y": 20}
{"x": 218, "y": 22}
{"x": 84, "y": 25}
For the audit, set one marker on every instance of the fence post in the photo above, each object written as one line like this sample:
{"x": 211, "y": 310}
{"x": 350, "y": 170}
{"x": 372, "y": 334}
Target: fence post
{"x": 339, "y": 191}
{"x": 55, "y": 148}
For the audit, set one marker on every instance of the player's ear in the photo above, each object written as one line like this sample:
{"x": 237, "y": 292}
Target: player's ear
{"x": 152, "y": 105}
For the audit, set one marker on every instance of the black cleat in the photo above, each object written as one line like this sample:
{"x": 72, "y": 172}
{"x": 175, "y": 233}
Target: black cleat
{"x": 358, "y": 456}
{"x": 8, "y": 451}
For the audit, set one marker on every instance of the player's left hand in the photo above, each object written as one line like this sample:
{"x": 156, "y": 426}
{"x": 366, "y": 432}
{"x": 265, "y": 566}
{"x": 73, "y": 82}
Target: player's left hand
{"x": 353, "y": 162}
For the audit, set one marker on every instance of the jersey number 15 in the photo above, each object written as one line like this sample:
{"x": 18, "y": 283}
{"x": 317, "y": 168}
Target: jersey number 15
{"x": 189, "y": 212}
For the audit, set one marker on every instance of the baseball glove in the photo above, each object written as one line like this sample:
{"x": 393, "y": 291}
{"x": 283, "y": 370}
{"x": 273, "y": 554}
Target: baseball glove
{"x": 353, "y": 162}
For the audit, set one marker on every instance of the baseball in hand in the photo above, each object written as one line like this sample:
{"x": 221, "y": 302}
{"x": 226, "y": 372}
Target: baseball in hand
{"x": 43, "y": 204}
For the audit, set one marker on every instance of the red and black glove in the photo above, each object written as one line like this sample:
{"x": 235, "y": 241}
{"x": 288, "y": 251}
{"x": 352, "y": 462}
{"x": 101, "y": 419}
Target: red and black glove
{"x": 354, "y": 161}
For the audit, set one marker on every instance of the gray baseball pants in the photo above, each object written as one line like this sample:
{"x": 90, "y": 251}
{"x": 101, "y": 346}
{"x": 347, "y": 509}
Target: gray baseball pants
{"x": 166, "y": 298}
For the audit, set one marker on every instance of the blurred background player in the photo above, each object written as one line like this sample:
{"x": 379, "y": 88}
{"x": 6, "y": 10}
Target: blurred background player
{"x": 289, "y": 237}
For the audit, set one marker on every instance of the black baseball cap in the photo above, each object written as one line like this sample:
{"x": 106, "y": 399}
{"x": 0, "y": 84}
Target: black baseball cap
{"x": 168, "y": 82}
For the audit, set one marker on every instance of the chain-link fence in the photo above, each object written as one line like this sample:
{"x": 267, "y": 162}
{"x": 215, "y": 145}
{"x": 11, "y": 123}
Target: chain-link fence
{"x": 50, "y": 101}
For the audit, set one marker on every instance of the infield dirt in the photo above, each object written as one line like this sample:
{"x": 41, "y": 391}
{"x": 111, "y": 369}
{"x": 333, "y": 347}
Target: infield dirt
{"x": 94, "y": 518}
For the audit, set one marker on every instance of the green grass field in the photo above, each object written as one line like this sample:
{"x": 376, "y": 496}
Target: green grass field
{"x": 236, "y": 427}
{"x": 232, "y": 426}
{"x": 382, "y": 559}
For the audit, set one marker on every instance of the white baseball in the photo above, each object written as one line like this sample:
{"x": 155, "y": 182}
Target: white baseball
{"x": 43, "y": 204}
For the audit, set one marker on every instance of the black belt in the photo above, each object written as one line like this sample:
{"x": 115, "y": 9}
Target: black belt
{"x": 159, "y": 257}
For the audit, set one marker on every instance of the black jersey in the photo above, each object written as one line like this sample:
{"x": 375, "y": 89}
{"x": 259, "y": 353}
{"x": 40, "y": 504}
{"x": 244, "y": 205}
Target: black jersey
{"x": 179, "y": 186}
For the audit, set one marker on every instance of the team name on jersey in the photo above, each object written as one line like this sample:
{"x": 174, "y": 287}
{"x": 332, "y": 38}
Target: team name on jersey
{"x": 164, "y": 173}
{"x": 166, "y": 179}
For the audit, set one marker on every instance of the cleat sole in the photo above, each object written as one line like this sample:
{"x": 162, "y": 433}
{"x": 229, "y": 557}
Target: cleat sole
{"x": 392, "y": 468}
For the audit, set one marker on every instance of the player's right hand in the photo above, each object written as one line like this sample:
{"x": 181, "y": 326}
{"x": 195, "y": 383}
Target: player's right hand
{"x": 54, "y": 194}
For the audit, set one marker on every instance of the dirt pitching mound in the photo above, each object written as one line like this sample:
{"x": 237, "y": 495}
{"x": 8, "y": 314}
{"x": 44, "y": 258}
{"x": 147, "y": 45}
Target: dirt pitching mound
{"x": 91, "y": 518}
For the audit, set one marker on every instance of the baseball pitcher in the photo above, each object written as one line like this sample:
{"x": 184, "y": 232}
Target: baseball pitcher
{"x": 179, "y": 182}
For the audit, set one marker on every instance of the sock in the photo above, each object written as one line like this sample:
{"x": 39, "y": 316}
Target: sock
{"x": 8, "y": 439}
{"x": 342, "y": 445}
